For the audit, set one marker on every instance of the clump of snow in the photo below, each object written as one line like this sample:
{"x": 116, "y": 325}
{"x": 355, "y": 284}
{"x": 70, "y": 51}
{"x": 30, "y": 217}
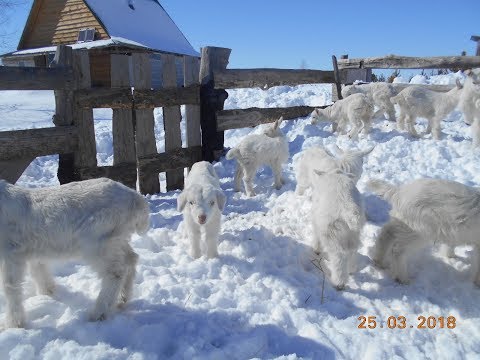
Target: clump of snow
{"x": 419, "y": 79}
{"x": 263, "y": 297}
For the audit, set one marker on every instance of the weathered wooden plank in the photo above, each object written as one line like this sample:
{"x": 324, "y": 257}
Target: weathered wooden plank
{"x": 12, "y": 170}
{"x": 267, "y": 78}
{"x": 126, "y": 173}
{"x": 171, "y": 122}
{"x": 172, "y": 96}
{"x": 38, "y": 142}
{"x": 191, "y": 69}
{"x": 214, "y": 59}
{"x": 35, "y": 78}
{"x": 406, "y": 62}
{"x": 241, "y": 118}
{"x": 86, "y": 155}
{"x": 145, "y": 123}
{"x": 170, "y": 160}
{"x": 105, "y": 98}
{"x": 122, "y": 119}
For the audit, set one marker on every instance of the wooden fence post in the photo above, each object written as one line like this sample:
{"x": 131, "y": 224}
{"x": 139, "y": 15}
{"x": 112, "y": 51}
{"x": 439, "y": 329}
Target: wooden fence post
{"x": 192, "y": 112}
{"x": 122, "y": 119}
{"x": 338, "y": 84}
{"x": 64, "y": 115}
{"x": 144, "y": 124}
{"x": 171, "y": 122}
{"x": 212, "y": 100}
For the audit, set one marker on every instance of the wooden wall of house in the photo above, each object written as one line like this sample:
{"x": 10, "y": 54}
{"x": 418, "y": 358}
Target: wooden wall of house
{"x": 58, "y": 22}
{"x": 100, "y": 73}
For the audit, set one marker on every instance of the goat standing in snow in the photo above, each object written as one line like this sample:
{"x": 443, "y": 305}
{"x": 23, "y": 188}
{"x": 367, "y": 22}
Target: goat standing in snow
{"x": 416, "y": 101}
{"x": 469, "y": 103}
{"x": 379, "y": 93}
{"x": 356, "y": 110}
{"x": 92, "y": 219}
{"x": 424, "y": 212}
{"x": 349, "y": 162}
{"x": 255, "y": 150}
{"x": 202, "y": 202}
{"x": 338, "y": 217}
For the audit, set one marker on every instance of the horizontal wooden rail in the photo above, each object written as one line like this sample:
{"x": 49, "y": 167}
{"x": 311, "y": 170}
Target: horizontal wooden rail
{"x": 146, "y": 99}
{"x": 38, "y": 142}
{"x": 124, "y": 172}
{"x": 267, "y": 78}
{"x": 170, "y": 160}
{"x": 36, "y": 78}
{"x": 406, "y": 62}
{"x": 104, "y": 98}
{"x": 240, "y": 118}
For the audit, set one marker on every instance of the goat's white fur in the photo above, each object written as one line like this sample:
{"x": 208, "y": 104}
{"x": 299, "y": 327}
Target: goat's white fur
{"x": 92, "y": 220}
{"x": 469, "y": 103}
{"x": 255, "y": 150}
{"x": 356, "y": 110}
{"x": 349, "y": 162}
{"x": 424, "y": 212}
{"x": 416, "y": 101}
{"x": 379, "y": 93}
{"x": 338, "y": 217}
{"x": 202, "y": 202}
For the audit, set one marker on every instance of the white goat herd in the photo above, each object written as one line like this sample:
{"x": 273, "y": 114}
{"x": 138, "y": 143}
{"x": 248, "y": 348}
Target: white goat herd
{"x": 95, "y": 219}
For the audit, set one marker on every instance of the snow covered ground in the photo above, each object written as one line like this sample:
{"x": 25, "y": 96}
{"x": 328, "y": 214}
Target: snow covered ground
{"x": 263, "y": 297}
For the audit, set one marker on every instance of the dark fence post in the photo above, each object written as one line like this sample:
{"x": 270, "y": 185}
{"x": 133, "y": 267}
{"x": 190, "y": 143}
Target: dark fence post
{"x": 211, "y": 100}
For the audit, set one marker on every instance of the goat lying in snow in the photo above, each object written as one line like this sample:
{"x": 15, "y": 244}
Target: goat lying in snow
{"x": 202, "y": 202}
{"x": 255, "y": 150}
{"x": 356, "y": 110}
{"x": 92, "y": 219}
{"x": 349, "y": 162}
{"x": 424, "y": 212}
{"x": 379, "y": 93}
{"x": 417, "y": 101}
{"x": 337, "y": 217}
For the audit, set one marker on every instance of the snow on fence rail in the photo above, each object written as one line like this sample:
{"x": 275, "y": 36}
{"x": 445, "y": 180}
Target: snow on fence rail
{"x": 73, "y": 136}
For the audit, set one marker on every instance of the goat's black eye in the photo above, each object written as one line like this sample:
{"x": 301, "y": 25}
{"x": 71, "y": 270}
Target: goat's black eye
{"x": 212, "y": 203}
{"x": 191, "y": 202}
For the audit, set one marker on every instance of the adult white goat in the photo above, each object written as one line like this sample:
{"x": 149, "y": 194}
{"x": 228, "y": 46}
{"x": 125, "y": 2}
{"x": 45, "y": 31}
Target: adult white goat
{"x": 416, "y": 101}
{"x": 469, "y": 103}
{"x": 424, "y": 212}
{"x": 202, "y": 202}
{"x": 338, "y": 218}
{"x": 92, "y": 219}
{"x": 349, "y": 162}
{"x": 255, "y": 150}
{"x": 379, "y": 93}
{"x": 356, "y": 110}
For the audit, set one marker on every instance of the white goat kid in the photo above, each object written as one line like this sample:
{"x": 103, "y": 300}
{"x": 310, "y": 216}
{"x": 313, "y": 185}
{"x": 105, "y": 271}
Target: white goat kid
{"x": 379, "y": 93}
{"x": 202, "y": 202}
{"x": 255, "y": 150}
{"x": 92, "y": 220}
{"x": 469, "y": 103}
{"x": 424, "y": 212}
{"x": 349, "y": 162}
{"x": 338, "y": 218}
{"x": 356, "y": 110}
{"x": 416, "y": 101}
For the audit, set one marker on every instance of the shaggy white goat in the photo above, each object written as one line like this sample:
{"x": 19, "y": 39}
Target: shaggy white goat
{"x": 424, "y": 212}
{"x": 255, "y": 150}
{"x": 356, "y": 110}
{"x": 379, "y": 93}
{"x": 92, "y": 219}
{"x": 338, "y": 217}
{"x": 469, "y": 103}
{"x": 417, "y": 101}
{"x": 349, "y": 162}
{"x": 202, "y": 202}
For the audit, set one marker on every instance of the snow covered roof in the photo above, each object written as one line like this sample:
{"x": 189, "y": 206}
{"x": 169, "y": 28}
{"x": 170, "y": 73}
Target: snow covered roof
{"x": 143, "y": 21}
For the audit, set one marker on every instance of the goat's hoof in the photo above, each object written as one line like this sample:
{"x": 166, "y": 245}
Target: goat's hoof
{"x": 195, "y": 254}
{"x": 402, "y": 281}
{"x": 97, "y": 317}
{"x": 49, "y": 290}
{"x": 340, "y": 287}
{"x": 15, "y": 323}
{"x": 379, "y": 264}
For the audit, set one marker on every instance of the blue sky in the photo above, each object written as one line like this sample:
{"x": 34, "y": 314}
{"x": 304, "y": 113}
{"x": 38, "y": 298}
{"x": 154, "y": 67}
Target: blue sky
{"x": 287, "y": 34}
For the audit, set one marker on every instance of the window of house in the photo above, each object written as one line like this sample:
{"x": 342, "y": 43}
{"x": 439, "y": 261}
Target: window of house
{"x": 86, "y": 35}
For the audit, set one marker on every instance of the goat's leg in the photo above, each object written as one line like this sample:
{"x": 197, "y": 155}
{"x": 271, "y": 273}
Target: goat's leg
{"x": 238, "y": 178}
{"x": 436, "y": 128}
{"x": 131, "y": 259}
{"x": 249, "y": 173}
{"x": 42, "y": 277}
{"x": 338, "y": 266}
{"x": 356, "y": 127}
{"x": 390, "y": 110}
{"x": 447, "y": 250}
{"x": 475, "y": 259}
{"x": 212, "y": 231}
{"x": 476, "y": 132}
{"x": 385, "y": 242}
{"x": 410, "y": 125}
{"x": 12, "y": 272}
{"x": 401, "y": 122}
{"x": 194, "y": 235}
{"x": 277, "y": 173}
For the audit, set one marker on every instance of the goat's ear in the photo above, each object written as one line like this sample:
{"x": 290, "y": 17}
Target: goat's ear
{"x": 181, "y": 201}
{"x": 318, "y": 172}
{"x": 459, "y": 85}
{"x": 468, "y": 72}
{"x": 368, "y": 151}
{"x": 338, "y": 150}
{"x": 221, "y": 200}
{"x": 277, "y": 123}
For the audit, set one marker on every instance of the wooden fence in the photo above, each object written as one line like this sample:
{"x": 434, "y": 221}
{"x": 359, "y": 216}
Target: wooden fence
{"x": 134, "y": 144}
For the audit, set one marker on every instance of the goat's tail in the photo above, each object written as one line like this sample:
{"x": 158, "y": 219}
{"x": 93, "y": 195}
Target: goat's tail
{"x": 141, "y": 213}
{"x": 382, "y": 188}
{"x": 232, "y": 154}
